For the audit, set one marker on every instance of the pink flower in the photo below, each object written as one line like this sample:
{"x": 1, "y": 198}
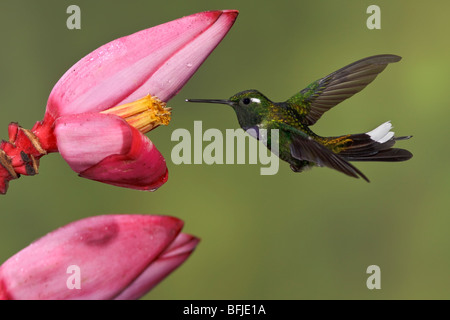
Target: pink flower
{"x": 99, "y": 110}
{"x": 102, "y": 257}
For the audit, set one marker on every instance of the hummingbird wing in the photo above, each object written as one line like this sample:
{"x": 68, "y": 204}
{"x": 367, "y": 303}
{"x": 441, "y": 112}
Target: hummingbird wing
{"x": 325, "y": 93}
{"x": 306, "y": 148}
{"x": 303, "y": 147}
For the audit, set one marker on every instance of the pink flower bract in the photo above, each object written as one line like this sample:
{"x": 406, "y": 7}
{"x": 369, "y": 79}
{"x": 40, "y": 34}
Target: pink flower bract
{"x": 157, "y": 62}
{"x": 118, "y": 257}
{"x": 100, "y": 109}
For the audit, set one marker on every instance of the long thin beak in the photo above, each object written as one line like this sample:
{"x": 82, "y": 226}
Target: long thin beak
{"x": 211, "y": 101}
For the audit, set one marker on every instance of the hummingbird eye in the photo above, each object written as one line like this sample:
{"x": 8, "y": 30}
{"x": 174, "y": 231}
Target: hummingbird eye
{"x": 246, "y": 101}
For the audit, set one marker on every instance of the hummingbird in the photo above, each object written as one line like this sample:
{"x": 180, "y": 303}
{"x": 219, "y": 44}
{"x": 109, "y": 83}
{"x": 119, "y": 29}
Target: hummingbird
{"x": 298, "y": 144}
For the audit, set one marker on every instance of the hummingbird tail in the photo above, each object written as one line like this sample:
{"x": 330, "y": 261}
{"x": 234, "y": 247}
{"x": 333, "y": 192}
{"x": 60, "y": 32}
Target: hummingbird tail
{"x": 375, "y": 145}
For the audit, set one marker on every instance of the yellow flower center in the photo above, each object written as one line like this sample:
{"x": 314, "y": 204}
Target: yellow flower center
{"x": 144, "y": 114}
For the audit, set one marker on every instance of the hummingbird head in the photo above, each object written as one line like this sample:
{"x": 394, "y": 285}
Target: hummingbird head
{"x": 251, "y": 106}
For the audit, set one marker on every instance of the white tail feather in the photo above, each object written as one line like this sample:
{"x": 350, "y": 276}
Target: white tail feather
{"x": 382, "y": 133}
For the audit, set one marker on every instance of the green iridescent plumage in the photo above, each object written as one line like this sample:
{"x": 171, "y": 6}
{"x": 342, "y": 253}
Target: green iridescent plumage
{"x": 298, "y": 144}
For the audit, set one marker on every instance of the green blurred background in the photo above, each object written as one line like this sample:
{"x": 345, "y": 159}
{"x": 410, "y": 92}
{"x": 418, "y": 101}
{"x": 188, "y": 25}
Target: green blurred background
{"x": 287, "y": 236}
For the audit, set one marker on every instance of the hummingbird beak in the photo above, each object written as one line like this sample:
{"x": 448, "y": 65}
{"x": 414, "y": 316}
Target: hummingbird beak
{"x": 228, "y": 102}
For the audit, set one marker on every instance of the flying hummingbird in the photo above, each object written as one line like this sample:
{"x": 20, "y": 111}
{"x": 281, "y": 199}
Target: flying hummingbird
{"x": 298, "y": 144}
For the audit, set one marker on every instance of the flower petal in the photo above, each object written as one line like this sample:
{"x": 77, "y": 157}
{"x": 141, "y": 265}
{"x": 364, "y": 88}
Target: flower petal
{"x": 110, "y": 251}
{"x": 167, "y": 262}
{"x": 142, "y": 168}
{"x": 85, "y": 139}
{"x": 105, "y": 148}
{"x": 171, "y": 76}
{"x": 109, "y": 75}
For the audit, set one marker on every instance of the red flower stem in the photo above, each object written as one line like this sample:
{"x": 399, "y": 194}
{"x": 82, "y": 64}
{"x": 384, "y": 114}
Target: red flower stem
{"x": 21, "y": 154}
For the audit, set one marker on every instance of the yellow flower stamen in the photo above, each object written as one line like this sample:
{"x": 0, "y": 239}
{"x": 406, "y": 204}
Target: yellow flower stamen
{"x": 144, "y": 114}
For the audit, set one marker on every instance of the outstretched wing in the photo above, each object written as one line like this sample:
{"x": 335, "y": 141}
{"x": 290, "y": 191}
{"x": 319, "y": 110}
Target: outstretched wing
{"x": 325, "y": 93}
